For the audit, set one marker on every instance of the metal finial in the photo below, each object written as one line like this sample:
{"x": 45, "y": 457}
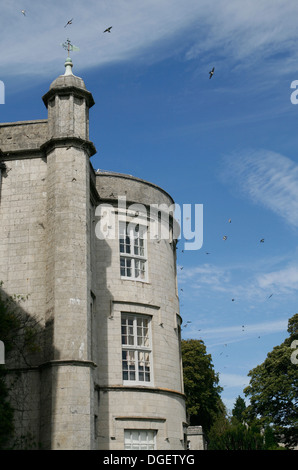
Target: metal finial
{"x": 69, "y": 47}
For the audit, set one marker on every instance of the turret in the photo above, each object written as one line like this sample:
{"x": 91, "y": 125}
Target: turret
{"x": 68, "y": 369}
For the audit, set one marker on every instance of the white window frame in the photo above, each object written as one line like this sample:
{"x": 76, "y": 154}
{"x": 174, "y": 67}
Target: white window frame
{"x": 139, "y": 439}
{"x": 137, "y": 366}
{"x": 133, "y": 251}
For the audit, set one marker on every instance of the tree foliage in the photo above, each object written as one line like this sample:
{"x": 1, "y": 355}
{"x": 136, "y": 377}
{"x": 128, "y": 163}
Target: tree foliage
{"x": 203, "y": 402}
{"x": 234, "y": 433}
{"x": 273, "y": 389}
{"x": 238, "y": 412}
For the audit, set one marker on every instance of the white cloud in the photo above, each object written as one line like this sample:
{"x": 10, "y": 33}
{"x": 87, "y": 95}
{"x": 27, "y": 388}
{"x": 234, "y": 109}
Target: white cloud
{"x": 239, "y": 32}
{"x": 31, "y": 44}
{"x": 234, "y": 331}
{"x": 267, "y": 179}
{"x": 207, "y": 275}
{"x": 225, "y": 335}
{"x": 261, "y": 279}
{"x": 284, "y": 280}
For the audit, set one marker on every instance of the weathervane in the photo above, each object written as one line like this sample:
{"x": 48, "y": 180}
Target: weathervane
{"x": 69, "y": 47}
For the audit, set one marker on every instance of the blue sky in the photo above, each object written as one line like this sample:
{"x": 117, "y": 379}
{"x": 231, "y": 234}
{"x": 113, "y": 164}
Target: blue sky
{"x": 229, "y": 143}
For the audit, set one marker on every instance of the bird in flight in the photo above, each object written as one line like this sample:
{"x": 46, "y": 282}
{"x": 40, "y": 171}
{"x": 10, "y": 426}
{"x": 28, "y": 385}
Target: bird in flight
{"x": 225, "y": 237}
{"x": 69, "y": 22}
{"x": 24, "y": 12}
{"x": 211, "y": 73}
{"x": 262, "y": 240}
{"x": 108, "y": 30}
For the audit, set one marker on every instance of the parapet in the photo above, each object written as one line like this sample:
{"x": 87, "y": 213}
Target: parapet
{"x": 112, "y": 185}
{"x": 23, "y": 135}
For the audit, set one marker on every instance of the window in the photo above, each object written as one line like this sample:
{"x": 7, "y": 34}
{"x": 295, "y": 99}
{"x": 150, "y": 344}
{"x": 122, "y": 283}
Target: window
{"x": 136, "y": 349}
{"x": 132, "y": 251}
{"x": 135, "y": 439}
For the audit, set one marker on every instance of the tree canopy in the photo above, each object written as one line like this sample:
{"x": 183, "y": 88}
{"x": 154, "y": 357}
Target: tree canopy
{"x": 234, "y": 433}
{"x": 273, "y": 389}
{"x": 203, "y": 402}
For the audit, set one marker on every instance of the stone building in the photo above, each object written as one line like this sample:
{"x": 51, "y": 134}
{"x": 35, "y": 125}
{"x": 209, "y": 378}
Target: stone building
{"x": 86, "y": 247}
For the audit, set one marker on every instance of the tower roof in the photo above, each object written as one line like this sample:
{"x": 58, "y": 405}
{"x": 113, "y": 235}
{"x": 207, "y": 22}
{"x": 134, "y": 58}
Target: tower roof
{"x": 68, "y": 83}
{"x": 68, "y": 78}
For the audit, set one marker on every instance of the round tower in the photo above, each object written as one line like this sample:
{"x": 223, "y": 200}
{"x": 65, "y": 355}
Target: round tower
{"x": 139, "y": 376}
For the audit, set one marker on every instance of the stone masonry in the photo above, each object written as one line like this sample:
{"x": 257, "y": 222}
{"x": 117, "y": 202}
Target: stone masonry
{"x": 51, "y": 206}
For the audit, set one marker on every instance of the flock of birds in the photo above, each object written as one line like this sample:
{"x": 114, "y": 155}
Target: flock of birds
{"x": 185, "y": 325}
{"x": 69, "y": 22}
{"x": 108, "y": 30}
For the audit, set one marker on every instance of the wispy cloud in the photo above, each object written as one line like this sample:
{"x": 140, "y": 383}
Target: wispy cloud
{"x": 283, "y": 280}
{"x": 267, "y": 179}
{"x": 241, "y": 33}
{"x": 245, "y": 33}
{"x": 245, "y": 282}
{"x": 206, "y": 275}
{"x": 225, "y": 335}
{"x": 234, "y": 331}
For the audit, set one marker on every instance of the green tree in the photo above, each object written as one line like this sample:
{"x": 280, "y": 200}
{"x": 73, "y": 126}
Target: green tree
{"x": 236, "y": 436}
{"x": 233, "y": 433}
{"x": 238, "y": 412}
{"x": 203, "y": 402}
{"x": 273, "y": 389}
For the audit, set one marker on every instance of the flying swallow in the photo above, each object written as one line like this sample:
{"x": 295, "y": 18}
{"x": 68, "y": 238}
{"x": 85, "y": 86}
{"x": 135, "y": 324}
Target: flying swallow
{"x": 69, "y": 22}
{"x": 211, "y": 73}
{"x": 108, "y": 30}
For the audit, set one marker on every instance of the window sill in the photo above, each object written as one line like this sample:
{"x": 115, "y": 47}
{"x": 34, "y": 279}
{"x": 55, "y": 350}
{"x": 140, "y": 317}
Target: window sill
{"x": 123, "y": 278}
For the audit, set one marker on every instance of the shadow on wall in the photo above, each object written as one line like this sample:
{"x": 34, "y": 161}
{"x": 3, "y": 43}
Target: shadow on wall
{"x": 25, "y": 374}
{"x": 101, "y": 255}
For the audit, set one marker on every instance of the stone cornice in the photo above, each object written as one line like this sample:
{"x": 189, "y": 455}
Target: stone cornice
{"x": 68, "y": 141}
{"x": 48, "y": 146}
{"x": 139, "y": 388}
{"x": 69, "y": 90}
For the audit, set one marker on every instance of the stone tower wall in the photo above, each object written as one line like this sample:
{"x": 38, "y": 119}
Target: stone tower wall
{"x": 157, "y": 406}
{"x": 23, "y": 222}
